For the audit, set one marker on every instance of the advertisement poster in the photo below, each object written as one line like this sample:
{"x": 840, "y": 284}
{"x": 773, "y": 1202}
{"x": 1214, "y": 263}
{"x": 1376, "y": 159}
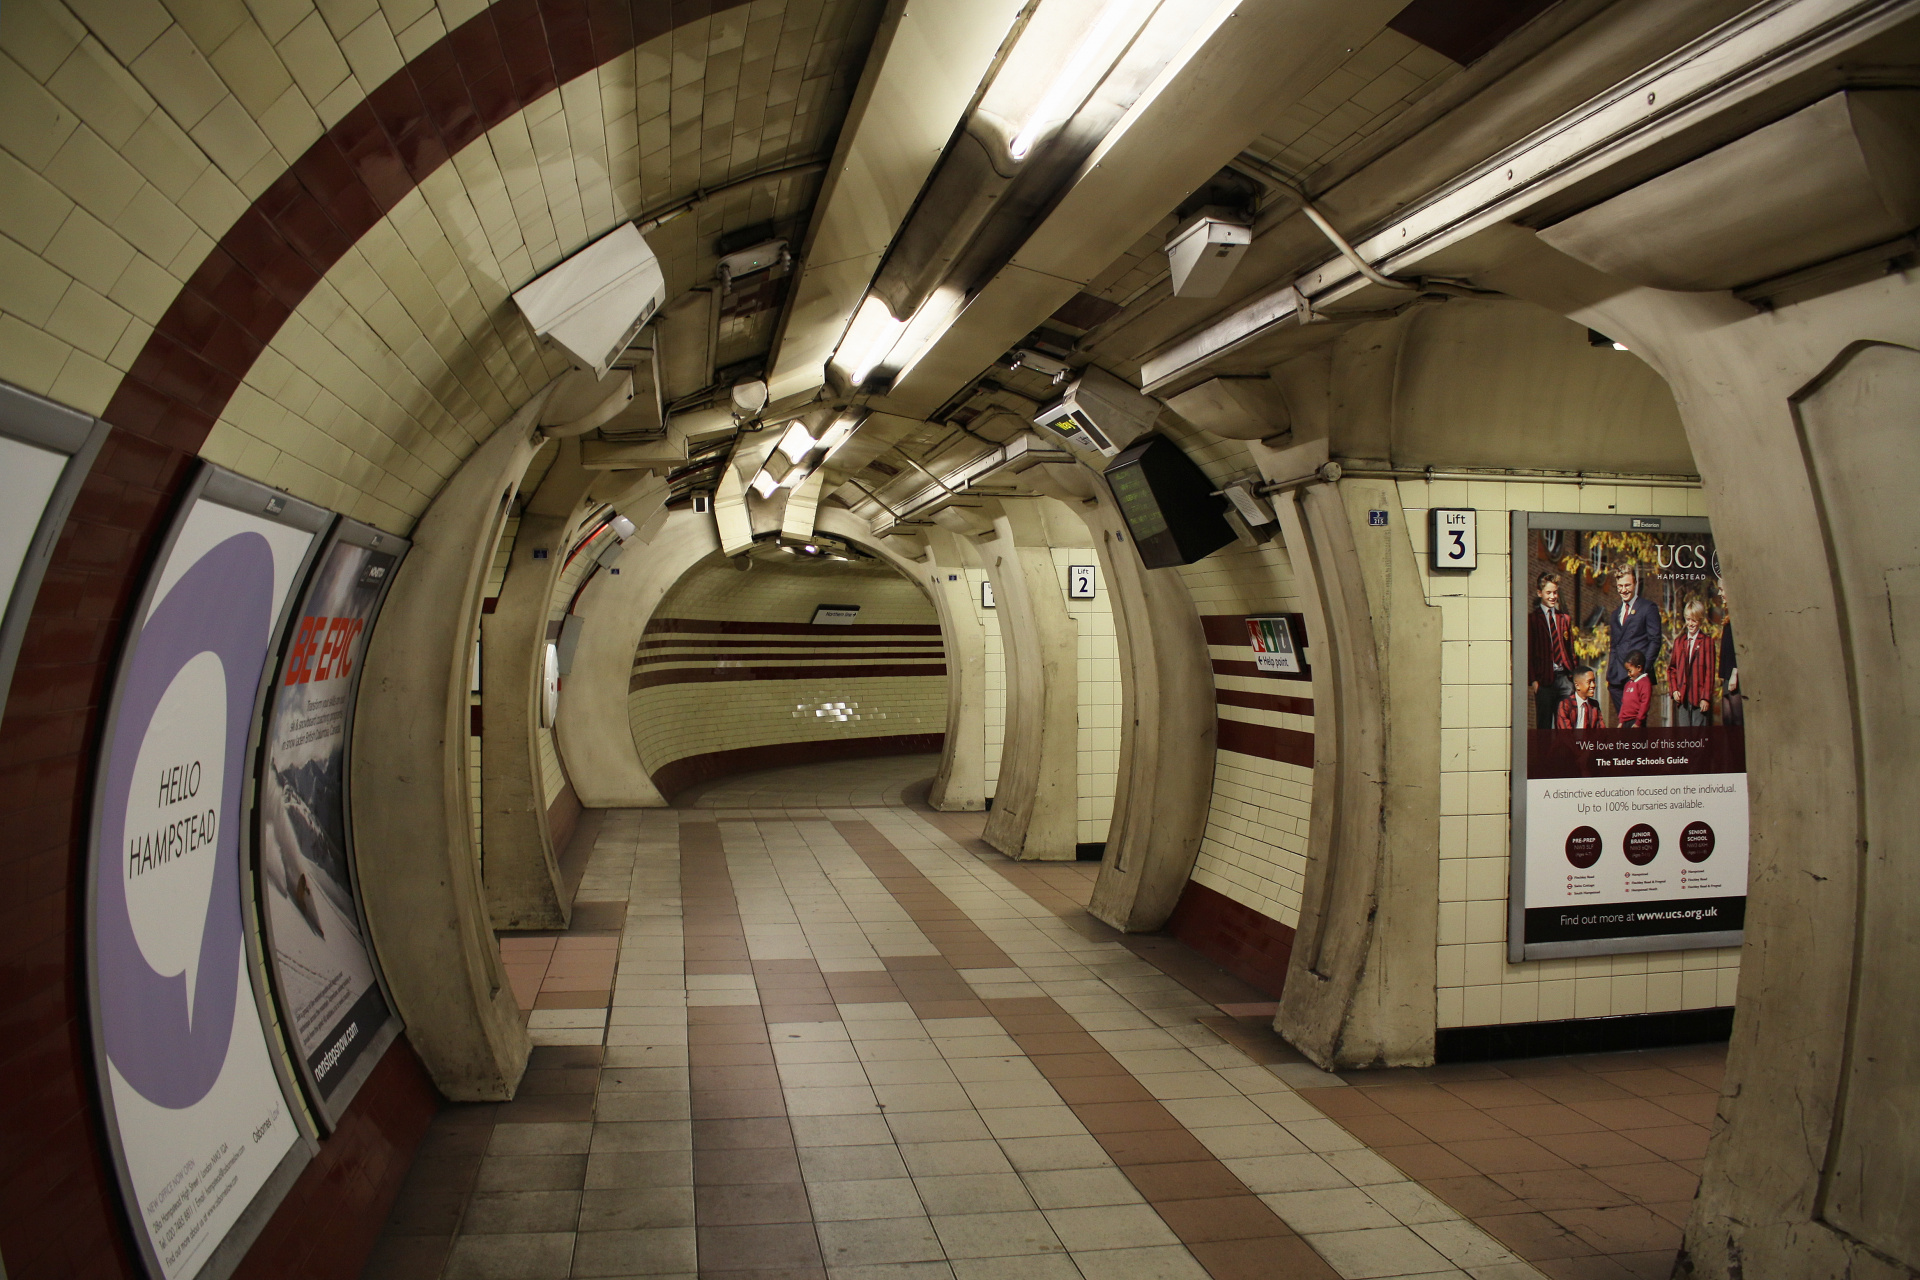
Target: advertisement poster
{"x": 330, "y": 999}
{"x": 46, "y": 450}
{"x": 195, "y": 1107}
{"x": 1629, "y": 779}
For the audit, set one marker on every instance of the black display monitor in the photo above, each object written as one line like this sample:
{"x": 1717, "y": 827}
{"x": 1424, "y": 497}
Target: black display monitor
{"x": 1168, "y": 503}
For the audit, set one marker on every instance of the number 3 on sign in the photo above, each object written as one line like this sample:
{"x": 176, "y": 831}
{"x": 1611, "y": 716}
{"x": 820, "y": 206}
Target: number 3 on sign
{"x": 1452, "y": 540}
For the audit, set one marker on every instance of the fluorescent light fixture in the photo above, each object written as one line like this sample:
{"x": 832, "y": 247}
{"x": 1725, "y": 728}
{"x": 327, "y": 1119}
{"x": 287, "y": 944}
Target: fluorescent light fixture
{"x": 1092, "y": 56}
{"x": 764, "y": 484}
{"x": 793, "y": 478}
{"x": 797, "y": 443}
{"x": 868, "y": 340}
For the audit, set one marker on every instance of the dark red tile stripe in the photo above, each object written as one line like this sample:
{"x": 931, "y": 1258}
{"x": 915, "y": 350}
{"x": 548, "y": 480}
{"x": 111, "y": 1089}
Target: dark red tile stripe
{"x": 674, "y": 777}
{"x": 823, "y": 670}
{"x": 928, "y": 646}
{"x": 1228, "y": 1229}
{"x": 64, "y": 1218}
{"x": 1264, "y": 701}
{"x": 751, "y": 1213}
{"x": 1239, "y": 939}
{"x": 661, "y": 626}
{"x": 1226, "y": 667}
{"x": 1269, "y": 742}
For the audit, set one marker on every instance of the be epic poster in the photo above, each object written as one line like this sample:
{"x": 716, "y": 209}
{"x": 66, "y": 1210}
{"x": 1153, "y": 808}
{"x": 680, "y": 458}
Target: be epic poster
{"x": 196, "y": 1111}
{"x": 323, "y": 971}
{"x": 1629, "y": 763}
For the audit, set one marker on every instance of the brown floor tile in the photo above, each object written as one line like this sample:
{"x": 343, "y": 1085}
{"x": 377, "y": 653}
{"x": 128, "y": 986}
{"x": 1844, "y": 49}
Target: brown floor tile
{"x": 1651, "y": 1082}
{"x": 1183, "y": 1180}
{"x": 1535, "y": 1236}
{"x": 1241, "y": 1217}
{"x": 752, "y": 1203}
{"x": 1654, "y": 1264}
{"x": 1507, "y": 1155}
{"x": 1383, "y": 1130}
{"x": 737, "y": 1104}
{"x": 742, "y": 1132}
{"x": 744, "y": 1033}
{"x": 756, "y": 1248}
{"x": 1625, "y": 1113}
{"x": 1015, "y": 1006}
{"x": 1486, "y": 1094}
{"x": 1089, "y": 1089}
{"x": 1025, "y": 1023}
{"x": 1124, "y": 1117}
{"x": 744, "y": 1053}
{"x": 1263, "y": 1259}
{"x": 776, "y": 968}
{"x": 1646, "y": 1183}
{"x": 736, "y": 1077}
{"x": 408, "y": 1258}
{"x": 1475, "y": 1195}
{"x": 559, "y": 1080}
{"x": 1156, "y": 1146}
{"x": 1675, "y": 1211}
{"x": 1408, "y": 1099}
{"x": 1067, "y": 1066}
{"x": 1578, "y": 1089}
{"x": 545, "y": 1109}
{"x": 1449, "y": 1127}
{"x": 1344, "y": 1103}
{"x": 550, "y": 1057}
{"x": 723, "y": 1015}
{"x": 1549, "y": 1189}
{"x": 719, "y": 966}
{"x": 1589, "y": 1267}
{"x": 1695, "y": 1108}
{"x": 1626, "y": 1229}
{"x": 1426, "y": 1161}
{"x": 1675, "y": 1142}
{"x": 1595, "y": 1150}
{"x": 747, "y": 1164}
{"x": 801, "y": 1013}
{"x": 1548, "y": 1117}
{"x": 948, "y": 1009}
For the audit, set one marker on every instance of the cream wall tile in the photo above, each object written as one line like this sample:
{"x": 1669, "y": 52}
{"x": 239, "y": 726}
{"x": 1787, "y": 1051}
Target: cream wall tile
{"x": 128, "y": 27}
{"x": 30, "y": 357}
{"x": 179, "y": 77}
{"x": 29, "y": 287}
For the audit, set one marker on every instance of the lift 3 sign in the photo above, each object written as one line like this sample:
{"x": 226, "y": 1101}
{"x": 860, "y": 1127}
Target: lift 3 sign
{"x": 1630, "y": 775}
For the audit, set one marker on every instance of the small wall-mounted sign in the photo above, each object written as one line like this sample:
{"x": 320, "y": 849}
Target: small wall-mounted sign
{"x": 1377, "y": 519}
{"x": 1079, "y": 582}
{"x": 1453, "y": 539}
{"x": 986, "y": 594}
{"x": 835, "y": 615}
{"x": 1273, "y": 647}
{"x": 540, "y": 553}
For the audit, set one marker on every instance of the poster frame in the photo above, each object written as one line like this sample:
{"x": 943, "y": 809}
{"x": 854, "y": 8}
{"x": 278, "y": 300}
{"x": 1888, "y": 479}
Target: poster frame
{"x": 327, "y": 1112}
{"x": 35, "y": 420}
{"x": 1519, "y": 949}
{"x": 209, "y": 483}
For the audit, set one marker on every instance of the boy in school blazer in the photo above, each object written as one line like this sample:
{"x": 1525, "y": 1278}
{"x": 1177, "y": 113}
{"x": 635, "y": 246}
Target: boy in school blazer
{"x": 1691, "y": 667}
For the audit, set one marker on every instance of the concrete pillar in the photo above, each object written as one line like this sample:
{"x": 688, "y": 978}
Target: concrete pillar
{"x": 1801, "y": 419}
{"x": 413, "y": 830}
{"x": 1167, "y": 719}
{"x": 961, "y": 784}
{"x": 594, "y": 735}
{"x": 524, "y": 887}
{"x": 1360, "y": 984}
{"x": 1034, "y": 807}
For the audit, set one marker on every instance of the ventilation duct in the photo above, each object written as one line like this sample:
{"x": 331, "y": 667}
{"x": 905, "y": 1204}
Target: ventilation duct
{"x": 1841, "y": 175}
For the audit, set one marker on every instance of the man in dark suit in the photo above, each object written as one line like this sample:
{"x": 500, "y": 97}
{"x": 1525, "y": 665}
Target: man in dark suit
{"x": 1549, "y": 653}
{"x": 1633, "y": 624}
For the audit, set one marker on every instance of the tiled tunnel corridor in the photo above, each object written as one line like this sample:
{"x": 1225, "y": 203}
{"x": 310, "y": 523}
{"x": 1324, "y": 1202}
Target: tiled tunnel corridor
{"x": 841, "y": 1037}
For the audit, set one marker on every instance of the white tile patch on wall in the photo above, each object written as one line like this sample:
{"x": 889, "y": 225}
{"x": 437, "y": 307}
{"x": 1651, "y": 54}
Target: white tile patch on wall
{"x": 1099, "y": 681}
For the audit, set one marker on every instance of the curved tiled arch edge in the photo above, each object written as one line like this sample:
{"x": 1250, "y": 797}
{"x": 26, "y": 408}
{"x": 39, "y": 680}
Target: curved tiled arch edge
{"x": 65, "y": 1218}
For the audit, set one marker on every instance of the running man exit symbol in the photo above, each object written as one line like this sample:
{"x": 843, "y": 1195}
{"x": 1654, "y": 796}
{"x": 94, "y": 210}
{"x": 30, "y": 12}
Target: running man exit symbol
{"x": 1452, "y": 538}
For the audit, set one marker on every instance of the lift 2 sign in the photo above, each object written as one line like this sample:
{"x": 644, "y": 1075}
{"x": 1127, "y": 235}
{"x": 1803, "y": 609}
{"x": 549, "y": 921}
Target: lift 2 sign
{"x": 1630, "y": 777}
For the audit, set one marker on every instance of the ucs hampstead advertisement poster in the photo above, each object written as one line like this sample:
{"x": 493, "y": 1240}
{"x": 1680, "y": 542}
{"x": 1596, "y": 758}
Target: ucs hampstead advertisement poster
{"x": 1630, "y": 783}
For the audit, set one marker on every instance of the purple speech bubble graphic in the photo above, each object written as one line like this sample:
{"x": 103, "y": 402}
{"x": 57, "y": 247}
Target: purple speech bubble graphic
{"x": 170, "y": 1053}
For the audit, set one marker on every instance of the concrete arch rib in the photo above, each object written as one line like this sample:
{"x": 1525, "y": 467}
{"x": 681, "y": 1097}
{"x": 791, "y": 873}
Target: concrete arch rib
{"x": 412, "y": 815}
{"x": 594, "y": 735}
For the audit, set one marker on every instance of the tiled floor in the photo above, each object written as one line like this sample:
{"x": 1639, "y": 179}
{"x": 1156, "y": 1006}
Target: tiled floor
{"x": 843, "y": 1041}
